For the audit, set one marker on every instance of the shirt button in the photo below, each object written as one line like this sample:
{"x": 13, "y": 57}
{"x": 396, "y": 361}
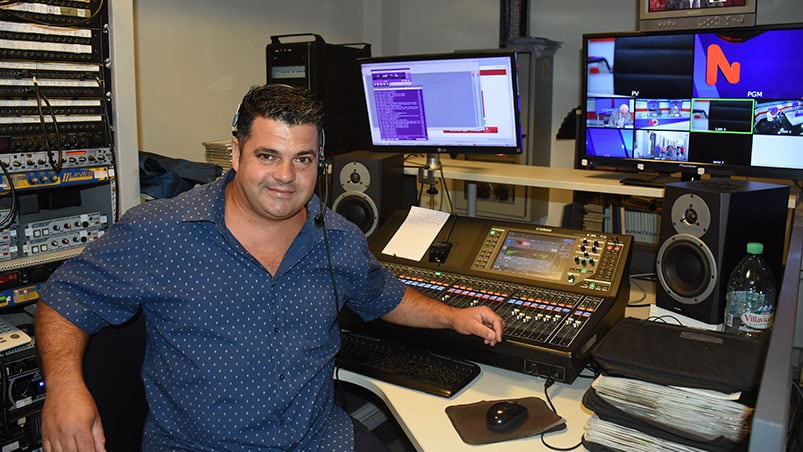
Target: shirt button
{"x": 275, "y": 329}
{"x": 281, "y": 377}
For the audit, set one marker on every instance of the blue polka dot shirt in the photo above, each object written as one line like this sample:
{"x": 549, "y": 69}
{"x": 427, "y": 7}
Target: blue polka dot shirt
{"x": 236, "y": 358}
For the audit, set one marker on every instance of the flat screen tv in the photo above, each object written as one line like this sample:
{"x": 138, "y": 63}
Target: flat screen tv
{"x": 723, "y": 102}
{"x": 695, "y": 14}
{"x": 456, "y": 103}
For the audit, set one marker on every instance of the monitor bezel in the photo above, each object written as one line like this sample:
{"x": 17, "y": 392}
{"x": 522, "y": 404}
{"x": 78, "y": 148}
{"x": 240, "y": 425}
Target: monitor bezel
{"x": 425, "y": 148}
{"x": 696, "y": 18}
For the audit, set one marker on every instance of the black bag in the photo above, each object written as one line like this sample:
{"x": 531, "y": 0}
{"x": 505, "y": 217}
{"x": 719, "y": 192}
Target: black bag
{"x": 165, "y": 177}
{"x": 676, "y": 355}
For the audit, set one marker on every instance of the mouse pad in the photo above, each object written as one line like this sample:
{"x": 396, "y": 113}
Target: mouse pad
{"x": 469, "y": 421}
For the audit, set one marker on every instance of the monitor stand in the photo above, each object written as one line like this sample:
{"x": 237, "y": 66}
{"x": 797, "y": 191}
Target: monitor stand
{"x": 656, "y": 180}
{"x": 427, "y": 175}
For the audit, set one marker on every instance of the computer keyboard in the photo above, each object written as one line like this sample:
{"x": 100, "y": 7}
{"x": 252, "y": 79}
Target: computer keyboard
{"x": 405, "y": 365}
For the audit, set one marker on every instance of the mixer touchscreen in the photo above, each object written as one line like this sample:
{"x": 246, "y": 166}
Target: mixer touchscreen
{"x": 534, "y": 255}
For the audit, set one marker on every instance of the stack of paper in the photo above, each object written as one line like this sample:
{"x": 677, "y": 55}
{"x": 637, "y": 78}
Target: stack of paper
{"x": 218, "y": 153}
{"x": 616, "y": 437}
{"x": 697, "y": 414}
{"x": 669, "y": 387}
{"x": 593, "y": 217}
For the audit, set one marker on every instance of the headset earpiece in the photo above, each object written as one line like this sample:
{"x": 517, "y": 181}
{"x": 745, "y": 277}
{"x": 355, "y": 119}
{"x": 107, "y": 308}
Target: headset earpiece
{"x": 234, "y": 121}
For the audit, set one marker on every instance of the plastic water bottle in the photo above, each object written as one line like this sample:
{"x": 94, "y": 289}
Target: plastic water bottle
{"x": 751, "y": 295}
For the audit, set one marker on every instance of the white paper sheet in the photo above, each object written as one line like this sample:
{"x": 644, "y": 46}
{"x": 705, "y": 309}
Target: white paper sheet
{"x": 416, "y": 234}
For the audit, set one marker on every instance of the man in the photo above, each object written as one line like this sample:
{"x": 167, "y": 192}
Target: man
{"x": 240, "y": 282}
{"x": 620, "y": 117}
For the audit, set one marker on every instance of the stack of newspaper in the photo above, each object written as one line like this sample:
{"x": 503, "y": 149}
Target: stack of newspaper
{"x": 634, "y": 414}
{"x": 668, "y": 387}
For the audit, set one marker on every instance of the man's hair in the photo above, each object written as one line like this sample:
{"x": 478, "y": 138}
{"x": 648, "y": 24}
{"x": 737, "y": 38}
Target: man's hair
{"x": 284, "y": 103}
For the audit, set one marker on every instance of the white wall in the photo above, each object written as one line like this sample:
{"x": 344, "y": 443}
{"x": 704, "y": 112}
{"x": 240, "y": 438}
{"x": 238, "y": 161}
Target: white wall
{"x": 559, "y": 20}
{"x": 196, "y": 58}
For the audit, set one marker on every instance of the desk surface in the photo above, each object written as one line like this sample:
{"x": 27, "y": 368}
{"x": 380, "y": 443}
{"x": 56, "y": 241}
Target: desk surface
{"x": 423, "y": 416}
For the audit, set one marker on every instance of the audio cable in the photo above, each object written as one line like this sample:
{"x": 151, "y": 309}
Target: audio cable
{"x": 12, "y": 211}
{"x": 547, "y": 384}
{"x": 40, "y": 97}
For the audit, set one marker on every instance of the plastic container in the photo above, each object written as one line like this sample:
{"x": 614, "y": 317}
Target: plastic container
{"x": 751, "y": 295}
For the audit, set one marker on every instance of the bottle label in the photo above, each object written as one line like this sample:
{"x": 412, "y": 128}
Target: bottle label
{"x": 757, "y": 321}
{"x": 748, "y": 313}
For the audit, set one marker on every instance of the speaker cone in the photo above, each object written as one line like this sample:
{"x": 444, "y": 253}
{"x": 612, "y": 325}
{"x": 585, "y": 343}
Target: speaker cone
{"x": 686, "y": 269}
{"x": 358, "y": 208}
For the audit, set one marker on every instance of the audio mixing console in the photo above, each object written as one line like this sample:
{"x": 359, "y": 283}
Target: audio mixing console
{"x": 558, "y": 290}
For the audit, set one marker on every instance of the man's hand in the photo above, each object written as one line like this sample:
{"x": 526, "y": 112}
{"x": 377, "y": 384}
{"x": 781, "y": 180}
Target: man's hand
{"x": 480, "y": 321}
{"x": 71, "y": 422}
{"x": 421, "y": 311}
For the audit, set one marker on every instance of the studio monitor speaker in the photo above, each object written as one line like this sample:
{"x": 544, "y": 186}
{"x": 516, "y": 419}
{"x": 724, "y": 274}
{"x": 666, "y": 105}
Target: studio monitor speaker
{"x": 367, "y": 187}
{"x": 705, "y": 227}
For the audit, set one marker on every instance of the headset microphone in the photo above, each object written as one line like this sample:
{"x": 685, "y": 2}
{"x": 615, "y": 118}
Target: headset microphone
{"x": 318, "y": 219}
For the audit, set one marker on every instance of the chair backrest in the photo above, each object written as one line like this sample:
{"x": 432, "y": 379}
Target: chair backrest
{"x": 112, "y": 364}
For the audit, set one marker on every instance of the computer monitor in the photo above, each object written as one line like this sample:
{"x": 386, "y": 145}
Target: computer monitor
{"x": 456, "y": 103}
{"x": 723, "y": 102}
{"x": 695, "y": 14}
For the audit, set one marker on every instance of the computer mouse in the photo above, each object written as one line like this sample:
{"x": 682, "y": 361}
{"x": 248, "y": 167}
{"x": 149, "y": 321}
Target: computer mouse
{"x": 505, "y": 416}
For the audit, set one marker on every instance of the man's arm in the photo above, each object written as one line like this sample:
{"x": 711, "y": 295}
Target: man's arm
{"x": 421, "y": 311}
{"x": 70, "y": 418}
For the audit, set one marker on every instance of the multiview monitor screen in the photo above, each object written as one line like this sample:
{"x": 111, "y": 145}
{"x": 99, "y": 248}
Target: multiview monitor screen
{"x": 725, "y": 102}
{"x": 463, "y": 102}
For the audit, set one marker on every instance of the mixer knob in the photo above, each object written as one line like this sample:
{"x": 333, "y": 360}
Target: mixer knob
{"x": 591, "y": 261}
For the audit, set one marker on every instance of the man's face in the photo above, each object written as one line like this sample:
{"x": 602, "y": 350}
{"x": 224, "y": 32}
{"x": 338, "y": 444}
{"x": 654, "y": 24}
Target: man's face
{"x": 277, "y": 168}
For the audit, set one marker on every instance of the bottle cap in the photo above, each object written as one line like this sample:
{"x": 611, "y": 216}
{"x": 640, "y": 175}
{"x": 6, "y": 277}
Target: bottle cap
{"x": 755, "y": 248}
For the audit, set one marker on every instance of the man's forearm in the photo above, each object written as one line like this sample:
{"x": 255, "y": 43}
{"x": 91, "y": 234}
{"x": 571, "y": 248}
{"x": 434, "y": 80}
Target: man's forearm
{"x": 420, "y": 311}
{"x": 61, "y": 347}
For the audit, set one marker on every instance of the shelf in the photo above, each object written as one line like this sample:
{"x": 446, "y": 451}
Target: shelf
{"x": 593, "y": 181}
{"x": 534, "y": 176}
